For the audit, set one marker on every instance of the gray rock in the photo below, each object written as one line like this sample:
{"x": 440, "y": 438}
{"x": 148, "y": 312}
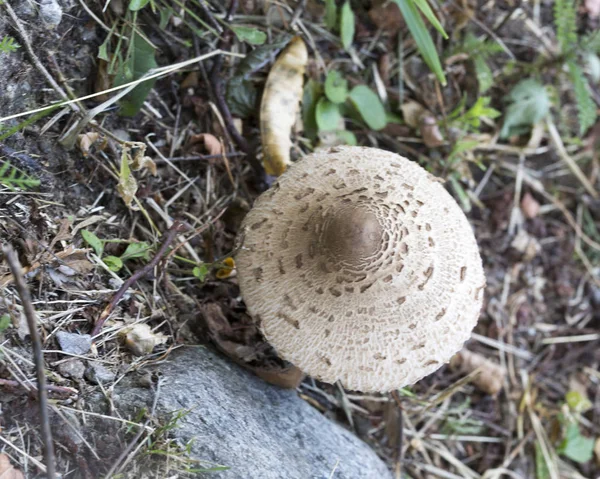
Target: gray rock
{"x": 72, "y": 368}
{"x": 258, "y": 430}
{"x": 50, "y": 13}
{"x": 96, "y": 373}
{"x": 74, "y": 343}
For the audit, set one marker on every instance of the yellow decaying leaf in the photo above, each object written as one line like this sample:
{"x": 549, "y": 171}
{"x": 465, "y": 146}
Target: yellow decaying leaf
{"x": 225, "y": 271}
{"x": 128, "y": 186}
{"x": 280, "y": 105}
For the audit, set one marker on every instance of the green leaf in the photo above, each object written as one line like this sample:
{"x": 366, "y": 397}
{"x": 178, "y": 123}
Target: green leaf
{"x": 485, "y": 77}
{"x": 369, "y": 106}
{"x": 592, "y": 62}
{"x": 251, "y": 35}
{"x": 330, "y": 14}
{"x": 200, "y": 272}
{"x": 426, "y": 10}
{"x": 528, "y": 104}
{"x": 423, "y": 40}
{"x": 96, "y": 243}
{"x": 103, "y": 50}
{"x": 327, "y": 115}
{"x": 5, "y": 322}
{"x": 241, "y": 97}
{"x": 347, "y": 137}
{"x": 347, "y": 25}
{"x": 136, "y": 66}
{"x": 585, "y": 103}
{"x": 576, "y": 447}
{"x": 578, "y": 402}
{"x": 541, "y": 468}
{"x": 336, "y": 87}
{"x": 310, "y": 97}
{"x": 565, "y": 20}
{"x": 114, "y": 263}
{"x": 135, "y": 5}
{"x": 137, "y": 250}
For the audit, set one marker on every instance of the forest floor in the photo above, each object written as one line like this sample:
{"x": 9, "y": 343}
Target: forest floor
{"x": 511, "y": 128}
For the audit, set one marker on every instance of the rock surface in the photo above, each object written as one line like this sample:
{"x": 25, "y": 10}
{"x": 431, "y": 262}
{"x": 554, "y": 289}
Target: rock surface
{"x": 258, "y": 430}
{"x": 74, "y": 343}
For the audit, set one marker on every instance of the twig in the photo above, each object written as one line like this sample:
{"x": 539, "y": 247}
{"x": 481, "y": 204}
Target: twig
{"x": 17, "y": 272}
{"x": 231, "y": 154}
{"x": 171, "y": 234}
{"x": 32, "y": 55}
{"x": 49, "y": 387}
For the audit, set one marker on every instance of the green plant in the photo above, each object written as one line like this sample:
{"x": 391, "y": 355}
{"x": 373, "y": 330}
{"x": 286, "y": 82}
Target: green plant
{"x": 574, "y": 52}
{"x": 139, "y": 250}
{"x": 574, "y": 444}
{"x": 480, "y": 51}
{"x": 13, "y": 178}
{"x": 411, "y": 10}
{"x": 528, "y": 103}
{"x": 8, "y": 45}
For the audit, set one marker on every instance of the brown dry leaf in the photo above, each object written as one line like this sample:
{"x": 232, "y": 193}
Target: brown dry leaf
{"x": 289, "y": 378}
{"x": 227, "y": 269}
{"x": 387, "y": 17}
{"x": 461, "y": 13}
{"x": 413, "y": 112}
{"x": 7, "y": 471}
{"x": 141, "y": 340}
{"x": 491, "y": 378}
{"x": 103, "y": 80}
{"x": 432, "y": 136}
{"x": 593, "y": 8}
{"x": 63, "y": 233}
{"x": 190, "y": 81}
{"x": 140, "y": 160}
{"x": 206, "y": 142}
{"x": 529, "y": 206}
{"x": 85, "y": 142}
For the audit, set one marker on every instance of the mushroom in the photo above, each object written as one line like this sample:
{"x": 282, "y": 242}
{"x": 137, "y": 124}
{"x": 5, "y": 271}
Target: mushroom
{"x": 361, "y": 268}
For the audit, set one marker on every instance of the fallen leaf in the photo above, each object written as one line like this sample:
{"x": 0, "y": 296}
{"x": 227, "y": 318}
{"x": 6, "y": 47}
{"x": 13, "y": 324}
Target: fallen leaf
{"x": 205, "y": 143}
{"x": 412, "y": 112}
{"x": 529, "y": 206}
{"x": 526, "y": 244}
{"x": 141, "y": 340}
{"x": 432, "y": 136}
{"x": 387, "y": 17}
{"x": 491, "y": 378}
{"x": 86, "y": 141}
{"x": 7, "y": 471}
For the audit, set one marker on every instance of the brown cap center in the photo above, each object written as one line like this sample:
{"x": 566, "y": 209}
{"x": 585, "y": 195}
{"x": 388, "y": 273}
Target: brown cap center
{"x": 350, "y": 233}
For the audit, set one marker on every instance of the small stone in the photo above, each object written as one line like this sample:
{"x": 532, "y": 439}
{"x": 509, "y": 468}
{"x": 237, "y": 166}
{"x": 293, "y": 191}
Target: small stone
{"x": 96, "y": 373}
{"x": 72, "y": 368}
{"x": 74, "y": 343}
{"x": 50, "y": 13}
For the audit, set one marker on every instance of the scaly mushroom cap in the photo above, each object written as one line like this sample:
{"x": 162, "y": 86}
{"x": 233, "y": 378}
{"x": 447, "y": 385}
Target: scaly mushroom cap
{"x": 360, "y": 267}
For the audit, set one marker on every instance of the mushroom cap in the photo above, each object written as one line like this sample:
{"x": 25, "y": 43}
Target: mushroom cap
{"x": 360, "y": 267}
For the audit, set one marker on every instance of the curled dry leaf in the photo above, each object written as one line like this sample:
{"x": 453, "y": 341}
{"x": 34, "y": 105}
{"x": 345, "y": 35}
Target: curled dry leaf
{"x": 387, "y": 17}
{"x": 413, "y": 112}
{"x": 205, "y": 143}
{"x": 7, "y": 471}
{"x": 529, "y": 206}
{"x": 280, "y": 105}
{"x": 89, "y": 139}
{"x": 492, "y": 375}
{"x": 141, "y": 340}
{"x": 227, "y": 268}
{"x": 430, "y": 131}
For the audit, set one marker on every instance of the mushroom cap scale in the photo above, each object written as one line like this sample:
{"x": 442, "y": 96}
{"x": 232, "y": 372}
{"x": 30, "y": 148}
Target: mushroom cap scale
{"x": 360, "y": 267}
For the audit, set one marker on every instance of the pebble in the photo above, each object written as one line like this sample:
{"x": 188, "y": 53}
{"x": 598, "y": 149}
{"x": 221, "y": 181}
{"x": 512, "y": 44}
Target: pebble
{"x": 74, "y": 343}
{"x": 50, "y": 13}
{"x": 72, "y": 368}
{"x": 96, "y": 373}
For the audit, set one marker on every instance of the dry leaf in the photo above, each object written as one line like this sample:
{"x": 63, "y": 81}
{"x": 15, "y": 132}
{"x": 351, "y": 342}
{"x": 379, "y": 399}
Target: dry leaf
{"x": 432, "y": 136}
{"x": 140, "y": 160}
{"x": 280, "y": 105}
{"x": 7, "y": 471}
{"x": 85, "y": 142}
{"x": 190, "y": 81}
{"x": 491, "y": 377}
{"x": 205, "y": 143}
{"x": 597, "y": 451}
{"x": 529, "y": 206}
{"x": 387, "y": 17}
{"x": 412, "y": 112}
{"x": 227, "y": 269}
{"x": 526, "y": 244}
{"x": 141, "y": 340}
